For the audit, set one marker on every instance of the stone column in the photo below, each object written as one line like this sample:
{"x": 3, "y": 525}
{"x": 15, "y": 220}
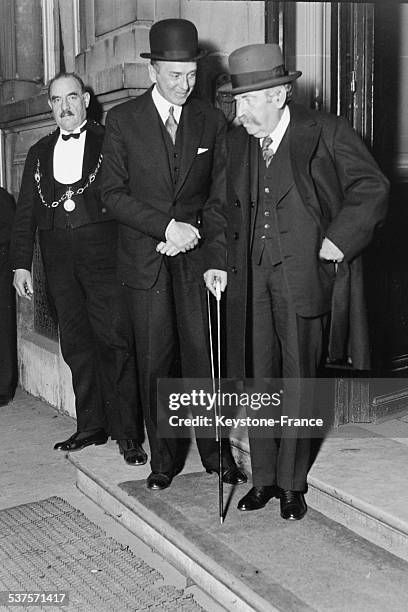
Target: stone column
{"x": 21, "y": 59}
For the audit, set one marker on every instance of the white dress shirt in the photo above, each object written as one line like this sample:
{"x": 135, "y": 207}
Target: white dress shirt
{"x": 68, "y": 157}
{"x": 279, "y": 132}
{"x": 163, "y": 106}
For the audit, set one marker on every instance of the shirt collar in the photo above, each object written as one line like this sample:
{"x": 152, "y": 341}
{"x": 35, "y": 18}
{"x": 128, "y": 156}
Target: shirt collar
{"x": 163, "y": 106}
{"x": 278, "y": 133}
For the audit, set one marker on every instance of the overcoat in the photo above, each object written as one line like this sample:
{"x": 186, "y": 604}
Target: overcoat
{"x": 345, "y": 193}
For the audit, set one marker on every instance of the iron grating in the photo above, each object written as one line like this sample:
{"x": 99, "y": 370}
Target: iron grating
{"x": 51, "y": 546}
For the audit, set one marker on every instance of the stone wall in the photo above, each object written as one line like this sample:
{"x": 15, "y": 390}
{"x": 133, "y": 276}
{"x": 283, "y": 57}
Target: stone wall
{"x": 102, "y": 41}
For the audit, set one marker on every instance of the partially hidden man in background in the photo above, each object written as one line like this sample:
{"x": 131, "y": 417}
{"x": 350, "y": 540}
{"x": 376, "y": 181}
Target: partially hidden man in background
{"x": 8, "y": 336}
{"x": 60, "y": 195}
{"x": 164, "y": 180}
{"x": 305, "y": 197}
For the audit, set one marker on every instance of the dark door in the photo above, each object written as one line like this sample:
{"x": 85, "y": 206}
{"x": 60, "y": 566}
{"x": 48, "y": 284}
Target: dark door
{"x": 364, "y": 64}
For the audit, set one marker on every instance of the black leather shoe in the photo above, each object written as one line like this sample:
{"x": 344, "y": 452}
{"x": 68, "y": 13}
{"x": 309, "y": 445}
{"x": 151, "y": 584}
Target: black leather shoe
{"x": 158, "y": 481}
{"x": 231, "y": 475}
{"x": 75, "y": 444}
{"x": 132, "y": 452}
{"x": 292, "y": 505}
{"x": 257, "y": 498}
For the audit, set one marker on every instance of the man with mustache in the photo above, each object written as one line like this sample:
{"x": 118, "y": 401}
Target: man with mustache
{"x": 164, "y": 181}
{"x": 60, "y": 196}
{"x": 305, "y": 197}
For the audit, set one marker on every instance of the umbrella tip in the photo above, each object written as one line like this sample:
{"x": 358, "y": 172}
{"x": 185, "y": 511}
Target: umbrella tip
{"x": 221, "y": 520}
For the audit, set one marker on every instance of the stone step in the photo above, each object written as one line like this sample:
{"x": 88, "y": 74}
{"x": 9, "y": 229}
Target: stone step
{"x": 359, "y": 480}
{"x": 254, "y": 562}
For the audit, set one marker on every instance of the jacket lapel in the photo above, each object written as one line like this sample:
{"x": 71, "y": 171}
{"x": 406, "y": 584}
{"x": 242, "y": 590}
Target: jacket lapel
{"x": 304, "y": 138}
{"x": 243, "y": 177}
{"x": 254, "y": 182}
{"x": 239, "y": 154}
{"x": 93, "y": 145}
{"x": 46, "y": 158}
{"x": 192, "y": 124}
{"x": 150, "y": 137}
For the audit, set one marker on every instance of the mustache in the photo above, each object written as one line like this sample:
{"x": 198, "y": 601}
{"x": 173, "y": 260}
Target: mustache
{"x": 67, "y": 113}
{"x": 247, "y": 119}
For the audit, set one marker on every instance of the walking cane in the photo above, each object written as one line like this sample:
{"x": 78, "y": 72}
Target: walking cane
{"x": 217, "y": 390}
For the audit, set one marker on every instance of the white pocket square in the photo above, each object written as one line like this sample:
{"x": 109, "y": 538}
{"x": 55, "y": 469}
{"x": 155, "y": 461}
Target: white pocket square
{"x": 199, "y": 151}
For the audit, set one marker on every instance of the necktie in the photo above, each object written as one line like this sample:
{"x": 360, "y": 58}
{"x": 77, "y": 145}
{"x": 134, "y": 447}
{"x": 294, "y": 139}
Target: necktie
{"x": 267, "y": 152}
{"x": 75, "y": 135}
{"x": 171, "y": 125}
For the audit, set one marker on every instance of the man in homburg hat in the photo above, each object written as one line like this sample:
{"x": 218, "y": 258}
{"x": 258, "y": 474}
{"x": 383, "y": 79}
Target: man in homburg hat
{"x": 305, "y": 197}
{"x": 164, "y": 180}
{"x": 60, "y": 196}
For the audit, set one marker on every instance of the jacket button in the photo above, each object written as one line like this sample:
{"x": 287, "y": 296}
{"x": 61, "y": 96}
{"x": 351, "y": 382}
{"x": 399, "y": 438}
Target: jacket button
{"x": 234, "y": 269}
{"x": 266, "y": 189}
{"x": 103, "y": 210}
{"x": 236, "y": 235}
{"x": 253, "y": 204}
{"x": 237, "y": 203}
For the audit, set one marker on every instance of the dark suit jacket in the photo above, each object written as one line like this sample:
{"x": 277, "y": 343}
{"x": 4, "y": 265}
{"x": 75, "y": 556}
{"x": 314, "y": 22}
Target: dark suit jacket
{"x": 31, "y": 212}
{"x": 138, "y": 190}
{"x": 7, "y": 210}
{"x": 345, "y": 194}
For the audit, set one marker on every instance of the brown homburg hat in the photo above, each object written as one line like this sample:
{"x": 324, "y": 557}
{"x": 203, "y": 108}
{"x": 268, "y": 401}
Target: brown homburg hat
{"x": 255, "y": 67}
{"x": 174, "y": 40}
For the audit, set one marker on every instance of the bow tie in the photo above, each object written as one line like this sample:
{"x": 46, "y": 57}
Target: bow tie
{"x": 75, "y": 135}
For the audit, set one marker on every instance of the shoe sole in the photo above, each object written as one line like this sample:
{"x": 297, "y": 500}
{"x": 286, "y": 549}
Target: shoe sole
{"x": 233, "y": 484}
{"x": 75, "y": 450}
{"x": 251, "y": 509}
{"x": 158, "y": 488}
{"x": 136, "y": 463}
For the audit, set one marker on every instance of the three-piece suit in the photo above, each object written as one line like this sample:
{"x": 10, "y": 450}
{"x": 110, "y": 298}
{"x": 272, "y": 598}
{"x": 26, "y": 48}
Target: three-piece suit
{"x": 283, "y": 301}
{"x": 147, "y": 182}
{"x": 78, "y": 248}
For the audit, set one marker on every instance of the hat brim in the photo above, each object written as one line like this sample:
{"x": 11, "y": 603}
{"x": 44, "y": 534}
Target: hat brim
{"x": 287, "y": 78}
{"x": 163, "y": 58}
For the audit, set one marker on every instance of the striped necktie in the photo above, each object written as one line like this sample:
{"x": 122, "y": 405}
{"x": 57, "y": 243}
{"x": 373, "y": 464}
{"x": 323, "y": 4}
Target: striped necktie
{"x": 171, "y": 125}
{"x": 267, "y": 152}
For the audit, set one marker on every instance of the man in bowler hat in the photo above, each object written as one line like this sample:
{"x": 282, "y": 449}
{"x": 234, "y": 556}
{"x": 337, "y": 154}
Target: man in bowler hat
{"x": 305, "y": 197}
{"x": 164, "y": 180}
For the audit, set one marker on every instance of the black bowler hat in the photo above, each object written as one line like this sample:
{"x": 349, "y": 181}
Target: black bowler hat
{"x": 174, "y": 40}
{"x": 256, "y": 67}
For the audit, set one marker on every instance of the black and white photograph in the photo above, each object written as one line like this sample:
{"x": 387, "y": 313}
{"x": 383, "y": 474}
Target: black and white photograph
{"x": 203, "y": 306}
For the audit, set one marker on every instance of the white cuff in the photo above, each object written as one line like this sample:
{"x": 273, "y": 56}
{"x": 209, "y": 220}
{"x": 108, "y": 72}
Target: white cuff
{"x": 167, "y": 228}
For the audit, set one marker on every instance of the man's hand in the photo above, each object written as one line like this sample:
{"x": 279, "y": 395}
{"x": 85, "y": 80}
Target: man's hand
{"x": 182, "y": 235}
{"x": 168, "y": 248}
{"x": 210, "y": 278}
{"x": 23, "y": 284}
{"x": 330, "y": 252}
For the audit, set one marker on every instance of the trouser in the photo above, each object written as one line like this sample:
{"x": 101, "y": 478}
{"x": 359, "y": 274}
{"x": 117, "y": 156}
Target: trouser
{"x": 171, "y": 339}
{"x": 8, "y": 341}
{"x": 282, "y": 344}
{"x": 95, "y": 332}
